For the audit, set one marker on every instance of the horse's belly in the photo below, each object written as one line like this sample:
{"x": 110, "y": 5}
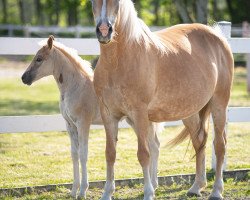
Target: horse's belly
{"x": 172, "y": 108}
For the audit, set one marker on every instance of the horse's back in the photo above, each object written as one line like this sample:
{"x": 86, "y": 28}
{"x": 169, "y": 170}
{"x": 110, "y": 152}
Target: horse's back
{"x": 188, "y": 75}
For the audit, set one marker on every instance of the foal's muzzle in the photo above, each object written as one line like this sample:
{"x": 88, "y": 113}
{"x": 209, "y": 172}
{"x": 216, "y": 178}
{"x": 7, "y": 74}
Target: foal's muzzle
{"x": 27, "y": 78}
{"x": 104, "y": 32}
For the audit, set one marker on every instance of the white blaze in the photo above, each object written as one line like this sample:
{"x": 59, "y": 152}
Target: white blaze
{"x": 104, "y": 9}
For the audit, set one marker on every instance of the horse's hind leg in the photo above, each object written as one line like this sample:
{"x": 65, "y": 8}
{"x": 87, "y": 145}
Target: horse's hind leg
{"x": 218, "y": 109}
{"x": 198, "y": 137}
{"x": 154, "y": 146}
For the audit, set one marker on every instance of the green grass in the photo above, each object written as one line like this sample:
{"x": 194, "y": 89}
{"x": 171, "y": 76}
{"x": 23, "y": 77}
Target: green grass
{"x": 44, "y": 158}
{"x": 233, "y": 190}
{"x": 19, "y": 99}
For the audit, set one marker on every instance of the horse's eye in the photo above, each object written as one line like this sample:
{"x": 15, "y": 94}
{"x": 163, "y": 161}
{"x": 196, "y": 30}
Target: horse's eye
{"x": 38, "y": 59}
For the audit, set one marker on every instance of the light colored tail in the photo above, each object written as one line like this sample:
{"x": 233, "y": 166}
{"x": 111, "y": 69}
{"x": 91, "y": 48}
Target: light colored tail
{"x": 159, "y": 127}
{"x": 184, "y": 134}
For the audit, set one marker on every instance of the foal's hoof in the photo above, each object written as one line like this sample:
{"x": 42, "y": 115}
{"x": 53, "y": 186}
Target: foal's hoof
{"x": 191, "y": 194}
{"x": 81, "y": 197}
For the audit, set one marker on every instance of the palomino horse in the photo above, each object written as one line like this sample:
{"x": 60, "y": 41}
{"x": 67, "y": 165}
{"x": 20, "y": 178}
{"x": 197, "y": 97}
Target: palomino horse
{"x": 183, "y": 72}
{"x": 78, "y": 102}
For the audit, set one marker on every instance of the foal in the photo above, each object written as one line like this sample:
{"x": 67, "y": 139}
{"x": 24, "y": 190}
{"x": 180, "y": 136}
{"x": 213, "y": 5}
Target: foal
{"x": 78, "y": 101}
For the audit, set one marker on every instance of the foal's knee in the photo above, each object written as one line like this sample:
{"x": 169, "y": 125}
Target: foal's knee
{"x": 74, "y": 155}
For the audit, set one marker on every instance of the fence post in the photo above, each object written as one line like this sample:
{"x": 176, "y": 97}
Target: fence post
{"x": 246, "y": 33}
{"x": 77, "y": 31}
{"x": 225, "y": 28}
{"x": 26, "y": 31}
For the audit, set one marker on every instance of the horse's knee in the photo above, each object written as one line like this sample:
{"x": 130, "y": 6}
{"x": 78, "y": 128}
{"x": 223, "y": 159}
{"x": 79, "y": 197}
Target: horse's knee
{"x": 219, "y": 146}
{"x": 110, "y": 154}
{"x": 143, "y": 155}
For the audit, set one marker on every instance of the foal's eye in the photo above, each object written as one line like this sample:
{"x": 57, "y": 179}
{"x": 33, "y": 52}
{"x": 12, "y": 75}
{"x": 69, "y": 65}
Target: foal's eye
{"x": 38, "y": 59}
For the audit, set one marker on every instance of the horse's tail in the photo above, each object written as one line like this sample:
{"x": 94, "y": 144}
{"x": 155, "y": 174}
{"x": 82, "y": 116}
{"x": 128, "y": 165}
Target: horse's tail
{"x": 183, "y": 135}
{"x": 159, "y": 127}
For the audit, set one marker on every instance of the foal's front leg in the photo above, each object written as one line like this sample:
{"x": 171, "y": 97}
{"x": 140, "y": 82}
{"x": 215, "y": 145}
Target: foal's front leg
{"x": 83, "y": 127}
{"x": 72, "y": 130}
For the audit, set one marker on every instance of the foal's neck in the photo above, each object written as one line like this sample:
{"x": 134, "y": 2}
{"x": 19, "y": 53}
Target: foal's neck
{"x": 65, "y": 74}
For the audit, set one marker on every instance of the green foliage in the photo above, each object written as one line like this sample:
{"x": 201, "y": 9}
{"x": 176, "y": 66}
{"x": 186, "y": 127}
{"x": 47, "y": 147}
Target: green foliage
{"x": 153, "y": 12}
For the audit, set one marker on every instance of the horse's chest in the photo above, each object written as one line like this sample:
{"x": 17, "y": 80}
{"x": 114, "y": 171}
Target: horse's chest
{"x": 116, "y": 98}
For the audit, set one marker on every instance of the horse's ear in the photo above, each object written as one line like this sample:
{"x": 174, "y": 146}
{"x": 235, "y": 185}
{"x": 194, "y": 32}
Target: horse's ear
{"x": 50, "y": 41}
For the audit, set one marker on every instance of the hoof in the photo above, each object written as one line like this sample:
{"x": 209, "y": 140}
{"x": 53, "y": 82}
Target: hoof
{"x": 81, "y": 196}
{"x": 191, "y": 194}
{"x": 73, "y": 195}
{"x": 215, "y": 198}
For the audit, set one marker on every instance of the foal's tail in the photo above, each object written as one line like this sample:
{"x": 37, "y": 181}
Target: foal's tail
{"x": 183, "y": 135}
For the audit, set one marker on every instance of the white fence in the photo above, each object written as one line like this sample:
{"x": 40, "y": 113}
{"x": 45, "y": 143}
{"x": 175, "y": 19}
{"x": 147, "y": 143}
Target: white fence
{"x": 29, "y": 46}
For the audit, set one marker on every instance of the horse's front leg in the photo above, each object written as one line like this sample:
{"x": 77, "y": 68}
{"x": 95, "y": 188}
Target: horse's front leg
{"x": 142, "y": 128}
{"x": 83, "y": 137}
{"x": 111, "y": 128}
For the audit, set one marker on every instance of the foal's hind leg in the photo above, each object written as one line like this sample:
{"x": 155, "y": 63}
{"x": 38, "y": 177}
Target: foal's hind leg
{"x": 197, "y": 136}
{"x": 83, "y": 126}
{"x": 219, "y": 118}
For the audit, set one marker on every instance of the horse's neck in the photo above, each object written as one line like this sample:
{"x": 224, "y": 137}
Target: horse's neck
{"x": 65, "y": 73}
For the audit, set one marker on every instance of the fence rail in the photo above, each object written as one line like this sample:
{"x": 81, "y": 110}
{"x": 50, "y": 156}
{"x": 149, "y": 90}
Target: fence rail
{"x": 43, "y": 123}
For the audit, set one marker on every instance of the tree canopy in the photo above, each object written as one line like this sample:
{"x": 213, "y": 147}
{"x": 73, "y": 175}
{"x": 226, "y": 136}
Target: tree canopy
{"x": 153, "y": 12}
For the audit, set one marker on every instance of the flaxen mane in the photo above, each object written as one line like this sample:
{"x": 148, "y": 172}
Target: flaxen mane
{"x": 81, "y": 65}
{"x": 135, "y": 29}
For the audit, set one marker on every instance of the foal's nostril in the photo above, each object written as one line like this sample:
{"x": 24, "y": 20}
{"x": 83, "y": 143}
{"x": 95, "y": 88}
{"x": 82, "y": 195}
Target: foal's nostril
{"x": 23, "y": 77}
{"x": 26, "y": 78}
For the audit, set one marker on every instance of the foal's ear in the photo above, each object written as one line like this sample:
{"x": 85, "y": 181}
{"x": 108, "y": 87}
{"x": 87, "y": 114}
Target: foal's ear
{"x": 50, "y": 41}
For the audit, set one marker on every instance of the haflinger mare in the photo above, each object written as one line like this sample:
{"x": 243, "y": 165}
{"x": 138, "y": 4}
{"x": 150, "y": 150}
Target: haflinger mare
{"x": 78, "y": 101}
{"x": 183, "y": 73}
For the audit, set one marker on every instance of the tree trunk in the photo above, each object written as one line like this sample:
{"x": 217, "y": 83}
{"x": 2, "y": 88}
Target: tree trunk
{"x": 215, "y": 10}
{"x": 25, "y": 11}
{"x": 57, "y": 11}
{"x": 39, "y": 12}
{"x": 156, "y": 11}
{"x": 201, "y": 11}
{"x": 182, "y": 10}
{"x": 21, "y": 12}
{"x": 5, "y": 13}
{"x": 72, "y": 13}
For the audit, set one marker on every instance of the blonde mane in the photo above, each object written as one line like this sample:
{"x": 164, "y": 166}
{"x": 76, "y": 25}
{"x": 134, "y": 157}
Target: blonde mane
{"x": 134, "y": 29}
{"x": 82, "y": 66}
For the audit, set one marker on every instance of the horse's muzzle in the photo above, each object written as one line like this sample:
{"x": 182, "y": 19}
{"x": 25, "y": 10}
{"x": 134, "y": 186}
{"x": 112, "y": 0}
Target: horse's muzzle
{"x": 27, "y": 78}
{"x": 104, "y": 32}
